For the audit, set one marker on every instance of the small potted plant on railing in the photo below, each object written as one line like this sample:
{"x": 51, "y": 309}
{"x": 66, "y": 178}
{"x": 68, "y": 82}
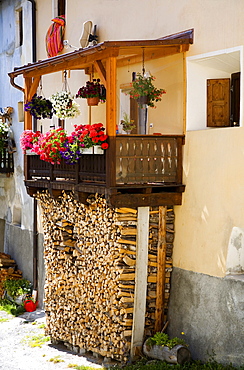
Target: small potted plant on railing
{"x": 64, "y": 105}
{"x": 93, "y": 91}
{"x": 51, "y": 145}
{"x": 144, "y": 91}
{"x": 83, "y": 138}
{"x": 127, "y": 123}
{"x": 28, "y": 141}
{"x": 39, "y": 107}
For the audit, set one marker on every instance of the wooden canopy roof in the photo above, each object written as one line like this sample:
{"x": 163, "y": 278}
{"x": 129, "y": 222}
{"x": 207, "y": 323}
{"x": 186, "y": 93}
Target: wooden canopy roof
{"x": 125, "y": 52}
{"x": 105, "y": 57}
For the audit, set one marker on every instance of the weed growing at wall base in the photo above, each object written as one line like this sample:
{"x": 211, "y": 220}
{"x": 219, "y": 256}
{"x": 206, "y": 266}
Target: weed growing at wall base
{"x": 145, "y": 364}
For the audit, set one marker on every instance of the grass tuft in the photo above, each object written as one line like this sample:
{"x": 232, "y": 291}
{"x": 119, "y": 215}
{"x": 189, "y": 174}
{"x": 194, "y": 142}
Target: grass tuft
{"x": 56, "y": 359}
{"x": 36, "y": 340}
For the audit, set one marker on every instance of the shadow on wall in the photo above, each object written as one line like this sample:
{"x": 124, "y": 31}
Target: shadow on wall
{"x": 19, "y": 244}
{"x": 2, "y": 231}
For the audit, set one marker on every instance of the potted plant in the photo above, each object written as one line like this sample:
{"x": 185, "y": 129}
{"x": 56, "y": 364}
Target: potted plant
{"x": 127, "y": 123}
{"x": 39, "y": 107}
{"x": 161, "y": 347}
{"x": 93, "y": 91}
{"x": 144, "y": 91}
{"x": 28, "y": 141}
{"x": 17, "y": 289}
{"x": 51, "y": 145}
{"x": 64, "y": 105}
{"x": 82, "y": 140}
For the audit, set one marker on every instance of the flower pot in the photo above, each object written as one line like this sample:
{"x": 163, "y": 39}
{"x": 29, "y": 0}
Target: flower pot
{"x": 143, "y": 100}
{"x": 29, "y": 152}
{"x": 87, "y": 151}
{"x": 179, "y": 354}
{"x": 98, "y": 150}
{"x": 93, "y": 101}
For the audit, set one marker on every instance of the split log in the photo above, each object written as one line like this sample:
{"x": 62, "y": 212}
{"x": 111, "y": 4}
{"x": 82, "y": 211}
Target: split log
{"x": 90, "y": 258}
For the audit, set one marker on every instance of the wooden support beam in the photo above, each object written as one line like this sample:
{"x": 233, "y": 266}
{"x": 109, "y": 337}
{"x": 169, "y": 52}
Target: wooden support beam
{"x": 27, "y": 115}
{"x": 33, "y": 87}
{"x": 140, "y": 280}
{"x": 101, "y": 71}
{"x": 161, "y": 262}
{"x": 142, "y": 200}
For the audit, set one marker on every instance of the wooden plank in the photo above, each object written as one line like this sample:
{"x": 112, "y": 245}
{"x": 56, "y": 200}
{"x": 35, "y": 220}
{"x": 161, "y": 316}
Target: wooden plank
{"x": 140, "y": 200}
{"x": 140, "y": 280}
{"x": 161, "y": 262}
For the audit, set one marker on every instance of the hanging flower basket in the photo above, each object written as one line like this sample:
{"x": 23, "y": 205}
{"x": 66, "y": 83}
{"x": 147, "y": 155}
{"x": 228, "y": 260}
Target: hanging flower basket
{"x": 143, "y": 88}
{"x": 92, "y": 89}
{"x": 93, "y": 101}
{"x": 64, "y": 105}
{"x": 39, "y": 107}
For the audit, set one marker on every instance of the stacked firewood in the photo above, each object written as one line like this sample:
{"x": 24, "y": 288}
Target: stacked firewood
{"x": 8, "y": 270}
{"x": 90, "y": 257}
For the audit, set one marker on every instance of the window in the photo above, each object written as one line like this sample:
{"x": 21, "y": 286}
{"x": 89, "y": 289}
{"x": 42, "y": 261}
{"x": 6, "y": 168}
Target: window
{"x": 19, "y": 27}
{"x": 135, "y": 112}
{"x": 61, "y": 7}
{"x": 214, "y": 97}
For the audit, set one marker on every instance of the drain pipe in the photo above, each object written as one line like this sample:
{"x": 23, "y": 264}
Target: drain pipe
{"x": 35, "y": 232}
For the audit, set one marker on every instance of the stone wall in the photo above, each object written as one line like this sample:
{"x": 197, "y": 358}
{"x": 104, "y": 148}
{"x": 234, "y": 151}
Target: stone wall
{"x": 210, "y": 312}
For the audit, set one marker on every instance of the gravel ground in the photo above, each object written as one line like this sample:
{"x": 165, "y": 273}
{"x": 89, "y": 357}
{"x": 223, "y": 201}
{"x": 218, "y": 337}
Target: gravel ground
{"x": 16, "y": 353}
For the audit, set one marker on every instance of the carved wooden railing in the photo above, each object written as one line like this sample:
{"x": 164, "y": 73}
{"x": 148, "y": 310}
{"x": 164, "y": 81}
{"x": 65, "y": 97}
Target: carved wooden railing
{"x": 6, "y": 162}
{"x": 148, "y": 159}
{"x": 140, "y": 159}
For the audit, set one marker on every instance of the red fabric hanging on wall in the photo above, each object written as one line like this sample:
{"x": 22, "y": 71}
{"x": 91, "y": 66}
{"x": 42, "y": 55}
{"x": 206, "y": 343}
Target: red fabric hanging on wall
{"x": 55, "y": 36}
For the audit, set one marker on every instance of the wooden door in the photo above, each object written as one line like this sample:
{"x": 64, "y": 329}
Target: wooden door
{"x": 218, "y": 102}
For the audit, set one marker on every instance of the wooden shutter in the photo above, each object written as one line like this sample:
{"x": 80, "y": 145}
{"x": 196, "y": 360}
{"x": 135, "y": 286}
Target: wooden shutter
{"x": 218, "y": 102}
{"x": 235, "y": 99}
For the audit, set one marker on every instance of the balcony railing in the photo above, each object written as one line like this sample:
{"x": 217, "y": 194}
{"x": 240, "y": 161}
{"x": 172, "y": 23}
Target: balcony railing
{"x": 6, "y": 162}
{"x": 142, "y": 162}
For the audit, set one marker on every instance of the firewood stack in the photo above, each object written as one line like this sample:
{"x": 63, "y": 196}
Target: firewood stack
{"x": 90, "y": 258}
{"x": 8, "y": 270}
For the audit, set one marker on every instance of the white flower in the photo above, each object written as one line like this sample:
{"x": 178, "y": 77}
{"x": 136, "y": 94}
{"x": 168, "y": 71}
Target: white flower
{"x": 4, "y": 129}
{"x": 64, "y": 105}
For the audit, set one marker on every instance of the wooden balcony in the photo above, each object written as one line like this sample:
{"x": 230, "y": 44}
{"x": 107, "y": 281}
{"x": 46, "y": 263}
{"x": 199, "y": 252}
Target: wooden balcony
{"x": 136, "y": 170}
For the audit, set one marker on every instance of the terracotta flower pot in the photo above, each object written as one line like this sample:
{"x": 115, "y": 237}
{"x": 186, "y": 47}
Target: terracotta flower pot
{"x": 93, "y": 101}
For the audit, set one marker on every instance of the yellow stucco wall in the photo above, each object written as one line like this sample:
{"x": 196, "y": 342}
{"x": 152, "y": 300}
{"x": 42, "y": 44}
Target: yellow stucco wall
{"x": 213, "y": 159}
{"x": 213, "y": 202}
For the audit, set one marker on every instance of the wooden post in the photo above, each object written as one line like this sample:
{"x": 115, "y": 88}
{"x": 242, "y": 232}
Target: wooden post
{"x": 111, "y": 120}
{"x": 161, "y": 262}
{"x": 140, "y": 280}
{"x": 184, "y": 93}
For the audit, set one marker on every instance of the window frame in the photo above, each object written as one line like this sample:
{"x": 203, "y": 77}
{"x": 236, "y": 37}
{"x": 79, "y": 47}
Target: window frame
{"x": 208, "y": 66}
